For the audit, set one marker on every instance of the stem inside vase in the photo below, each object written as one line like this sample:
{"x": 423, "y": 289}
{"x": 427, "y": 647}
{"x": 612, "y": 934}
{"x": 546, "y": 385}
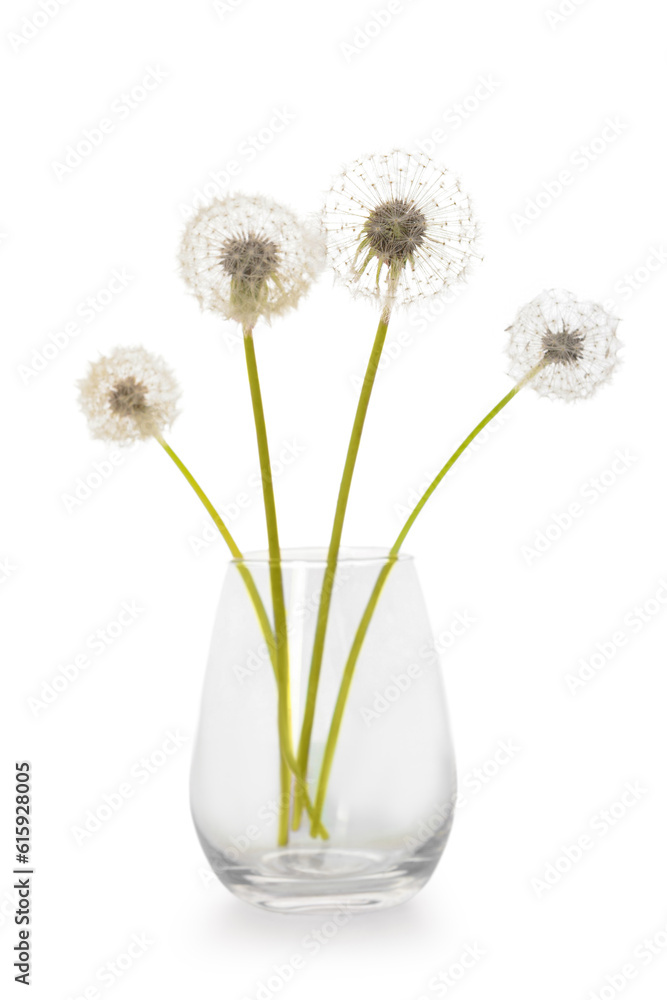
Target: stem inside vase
{"x": 277, "y": 593}
{"x": 332, "y": 560}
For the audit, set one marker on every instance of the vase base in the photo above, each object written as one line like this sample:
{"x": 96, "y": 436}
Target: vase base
{"x": 302, "y": 881}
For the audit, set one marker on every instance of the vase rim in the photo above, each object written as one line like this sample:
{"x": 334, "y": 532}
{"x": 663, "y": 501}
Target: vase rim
{"x": 317, "y": 556}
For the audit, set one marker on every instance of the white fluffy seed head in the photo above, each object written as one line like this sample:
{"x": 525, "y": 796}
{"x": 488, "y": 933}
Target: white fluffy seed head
{"x": 399, "y": 228}
{"x": 247, "y": 256}
{"x": 575, "y": 343}
{"x": 129, "y": 395}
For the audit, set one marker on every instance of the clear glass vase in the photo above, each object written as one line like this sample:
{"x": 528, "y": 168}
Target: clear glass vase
{"x": 389, "y": 799}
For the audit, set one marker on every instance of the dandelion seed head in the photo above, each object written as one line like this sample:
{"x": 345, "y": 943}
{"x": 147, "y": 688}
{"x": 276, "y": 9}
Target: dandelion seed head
{"x": 247, "y": 256}
{"x": 399, "y": 228}
{"x": 253, "y": 258}
{"x": 394, "y": 230}
{"x": 574, "y": 341}
{"x": 128, "y": 395}
{"x": 562, "y": 348}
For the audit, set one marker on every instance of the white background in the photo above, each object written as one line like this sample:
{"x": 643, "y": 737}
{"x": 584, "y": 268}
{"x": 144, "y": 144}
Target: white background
{"x": 554, "y": 83}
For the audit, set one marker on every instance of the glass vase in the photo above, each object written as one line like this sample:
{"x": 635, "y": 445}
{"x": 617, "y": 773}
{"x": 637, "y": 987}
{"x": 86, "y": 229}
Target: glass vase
{"x": 389, "y": 797}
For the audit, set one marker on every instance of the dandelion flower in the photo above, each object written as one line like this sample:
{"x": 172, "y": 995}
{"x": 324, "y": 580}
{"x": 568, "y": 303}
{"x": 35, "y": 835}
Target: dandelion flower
{"x": 129, "y": 395}
{"x": 399, "y": 227}
{"x": 247, "y": 257}
{"x": 574, "y": 342}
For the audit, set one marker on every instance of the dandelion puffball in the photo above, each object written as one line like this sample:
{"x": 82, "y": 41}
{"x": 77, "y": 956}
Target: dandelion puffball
{"x": 246, "y": 257}
{"x": 574, "y": 342}
{"x": 129, "y": 395}
{"x": 399, "y": 227}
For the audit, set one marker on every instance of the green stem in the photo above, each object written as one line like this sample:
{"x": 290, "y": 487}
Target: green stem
{"x": 332, "y": 560}
{"x": 454, "y": 458}
{"x": 217, "y": 520}
{"x": 276, "y": 578}
{"x": 260, "y": 610}
{"x": 348, "y": 672}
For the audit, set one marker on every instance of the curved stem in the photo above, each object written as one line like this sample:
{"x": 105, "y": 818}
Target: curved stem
{"x": 344, "y": 690}
{"x": 360, "y": 635}
{"x": 276, "y": 578}
{"x": 246, "y": 576}
{"x": 454, "y": 458}
{"x": 217, "y": 520}
{"x": 260, "y": 610}
{"x": 332, "y": 559}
